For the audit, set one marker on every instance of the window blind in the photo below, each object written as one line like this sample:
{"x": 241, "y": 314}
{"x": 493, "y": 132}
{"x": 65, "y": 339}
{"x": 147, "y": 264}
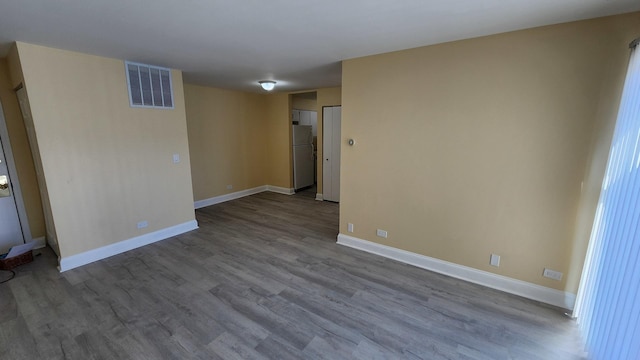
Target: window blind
{"x": 607, "y": 307}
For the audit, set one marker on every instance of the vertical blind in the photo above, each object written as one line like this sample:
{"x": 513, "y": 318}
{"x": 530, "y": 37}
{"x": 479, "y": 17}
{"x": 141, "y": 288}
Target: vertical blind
{"x": 608, "y": 303}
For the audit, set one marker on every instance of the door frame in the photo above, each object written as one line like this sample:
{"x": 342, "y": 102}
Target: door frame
{"x": 15, "y": 180}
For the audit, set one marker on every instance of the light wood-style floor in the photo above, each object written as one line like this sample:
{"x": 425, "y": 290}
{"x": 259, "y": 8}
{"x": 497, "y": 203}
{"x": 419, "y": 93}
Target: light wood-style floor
{"x": 263, "y": 278}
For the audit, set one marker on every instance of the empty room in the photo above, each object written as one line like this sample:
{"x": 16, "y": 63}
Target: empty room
{"x": 319, "y": 180}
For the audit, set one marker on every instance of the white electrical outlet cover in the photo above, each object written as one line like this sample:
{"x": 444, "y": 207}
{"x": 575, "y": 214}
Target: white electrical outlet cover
{"x": 552, "y": 274}
{"x": 381, "y": 233}
{"x": 495, "y": 260}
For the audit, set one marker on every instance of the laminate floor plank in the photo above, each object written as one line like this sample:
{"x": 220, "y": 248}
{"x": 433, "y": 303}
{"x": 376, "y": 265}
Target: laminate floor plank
{"x": 329, "y": 348}
{"x": 248, "y": 302}
{"x": 355, "y": 319}
{"x": 229, "y": 346}
{"x": 236, "y": 322}
{"x": 368, "y": 350}
{"x": 275, "y": 348}
{"x": 315, "y": 323}
{"x": 17, "y": 341}
{"x": 262, "y": 278}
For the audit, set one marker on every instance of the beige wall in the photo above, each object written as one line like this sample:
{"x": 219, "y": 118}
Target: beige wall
{"x": 480, "y": 146}
{"x": 21, "y": 152}
{"x": 326, "y": 97}
{"x": 226, "y": 140}
{"x": 303, "y": 104}
{"x": 278, "y": 140}
{"x": 107, "y": 165}
{"x": 243, "y": 139}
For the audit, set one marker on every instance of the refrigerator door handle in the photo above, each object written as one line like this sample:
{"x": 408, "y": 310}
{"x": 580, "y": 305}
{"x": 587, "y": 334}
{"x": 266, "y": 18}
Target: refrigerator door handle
{"x": 312, "y": 150}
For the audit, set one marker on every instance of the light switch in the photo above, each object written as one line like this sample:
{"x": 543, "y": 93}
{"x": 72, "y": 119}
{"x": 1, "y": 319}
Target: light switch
{"x": 176, "y": 158}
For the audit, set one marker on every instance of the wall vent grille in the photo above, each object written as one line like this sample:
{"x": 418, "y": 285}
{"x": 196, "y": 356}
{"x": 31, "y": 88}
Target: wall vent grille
{"x": 149, "y": 86}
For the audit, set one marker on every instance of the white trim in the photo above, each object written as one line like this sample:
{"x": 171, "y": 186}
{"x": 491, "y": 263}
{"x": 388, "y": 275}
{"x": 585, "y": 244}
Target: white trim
{"x": 240, "y": 194}
{"x": 40, "y": 242}
{"x": 281, "y": 190}
{"x": 319, "y": 197}
{"x": 15, "y": 179}
{"x": 525, "y": 289}
{"x": 227, "y": 197}
{"x": 87, "y": 257}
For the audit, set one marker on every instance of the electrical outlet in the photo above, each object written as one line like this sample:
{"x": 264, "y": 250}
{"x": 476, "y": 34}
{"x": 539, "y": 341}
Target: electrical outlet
{"x": 381, "y": 233}
{"x": 495, "y": 260}
{"x": 229, "y": 187}
{"x": 552, "y": 274}
{"x": 143, "y": 224}
{"x": 350, "y": 227}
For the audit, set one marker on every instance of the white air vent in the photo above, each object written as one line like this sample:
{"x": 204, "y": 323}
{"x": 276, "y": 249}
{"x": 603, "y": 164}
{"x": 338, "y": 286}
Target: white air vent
{"x": 149, "y": 86}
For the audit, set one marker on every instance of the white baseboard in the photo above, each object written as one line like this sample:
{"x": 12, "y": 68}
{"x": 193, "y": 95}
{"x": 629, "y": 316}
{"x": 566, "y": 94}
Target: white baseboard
{"x": 319, "y": 197}
{"x": 40, "y": 242}
{"x": 280, "y": 190}
{"x": 74, "y": 261}
{"x": 242, "y": 193}
{"x": 525, "y": 289}
{"x": 227, "y": 197}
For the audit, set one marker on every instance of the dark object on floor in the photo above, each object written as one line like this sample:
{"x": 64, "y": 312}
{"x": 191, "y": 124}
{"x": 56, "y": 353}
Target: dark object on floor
{"x": 12, "y": 274}
{"x": 8, "y": 264}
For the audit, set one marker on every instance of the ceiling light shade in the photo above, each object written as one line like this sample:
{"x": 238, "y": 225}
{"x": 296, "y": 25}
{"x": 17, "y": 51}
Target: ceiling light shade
{"x": 267, "y": 84}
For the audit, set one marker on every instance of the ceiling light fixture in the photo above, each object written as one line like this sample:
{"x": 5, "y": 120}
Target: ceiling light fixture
{"x": 267, "y": 84}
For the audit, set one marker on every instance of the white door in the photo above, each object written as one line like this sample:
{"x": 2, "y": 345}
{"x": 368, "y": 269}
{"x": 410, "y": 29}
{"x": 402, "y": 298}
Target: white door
{"x": 331, "y": 141}
{"x": 10, "y": 230}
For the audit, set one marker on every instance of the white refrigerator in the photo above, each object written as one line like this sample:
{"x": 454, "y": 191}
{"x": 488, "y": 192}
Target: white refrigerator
{"x": 303, "y": 157}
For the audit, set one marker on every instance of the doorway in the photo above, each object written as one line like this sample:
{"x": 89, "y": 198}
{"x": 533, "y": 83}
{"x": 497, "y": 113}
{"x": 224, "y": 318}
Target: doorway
{"x": 331, "y": 141}
{"x": 11, "y": 226}
{"x": 304, "y": 135}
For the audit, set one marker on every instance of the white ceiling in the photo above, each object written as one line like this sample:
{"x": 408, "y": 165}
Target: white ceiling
{"x": 299, "y": 43}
